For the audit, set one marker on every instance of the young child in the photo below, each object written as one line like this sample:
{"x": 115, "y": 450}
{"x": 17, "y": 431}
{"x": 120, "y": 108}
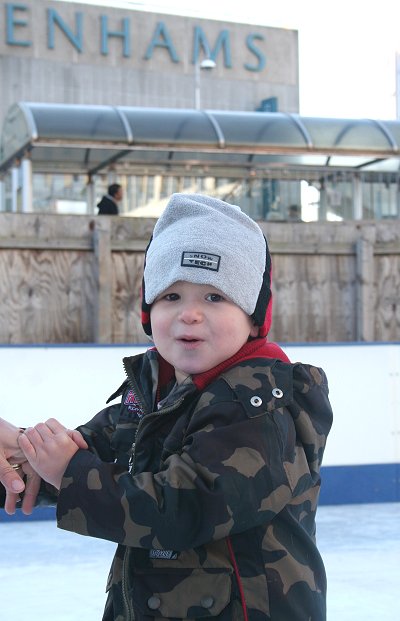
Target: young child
{"x": 207, "y": 472}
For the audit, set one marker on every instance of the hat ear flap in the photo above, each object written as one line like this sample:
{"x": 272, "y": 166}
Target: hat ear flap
{"x": 145, "y": 316}
{"x": 146, "y": 323}
{"x": 262, "y": 315}
{"x": 266, "y": 326}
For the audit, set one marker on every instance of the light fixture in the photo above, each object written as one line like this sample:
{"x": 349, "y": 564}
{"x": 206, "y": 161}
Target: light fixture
{"x": 205, "y": 65}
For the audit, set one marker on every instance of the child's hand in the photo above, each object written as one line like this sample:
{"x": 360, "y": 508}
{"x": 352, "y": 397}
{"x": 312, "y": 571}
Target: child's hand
{"x": 49, "y": 447}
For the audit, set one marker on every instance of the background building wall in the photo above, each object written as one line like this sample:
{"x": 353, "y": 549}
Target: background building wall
{"x": 60, "y": 52}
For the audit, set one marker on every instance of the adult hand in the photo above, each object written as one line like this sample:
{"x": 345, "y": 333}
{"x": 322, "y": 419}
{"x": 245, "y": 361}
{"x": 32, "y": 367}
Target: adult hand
{"x": 32, "y": 486}
{"x": 10, "y": 453}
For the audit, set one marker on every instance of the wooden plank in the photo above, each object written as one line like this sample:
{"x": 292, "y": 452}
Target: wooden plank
{"x": 133, "y": 245}
{"x": 103, "y": 305}
{"x": 316, "y": 248}
{"x": 46, "y": 244}
{"x": 387, "y": 248}
{"x": 387, "y": 316}
{"x": 365, "y": 290}
{"x": 140, "y": 245}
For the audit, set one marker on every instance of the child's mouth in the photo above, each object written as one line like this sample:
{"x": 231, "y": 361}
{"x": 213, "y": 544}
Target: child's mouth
{"x": 189, "y": 342}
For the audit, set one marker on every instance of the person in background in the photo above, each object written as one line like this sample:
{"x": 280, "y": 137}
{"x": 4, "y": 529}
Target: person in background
{"x": 294, "y": 214}
{"x": 207, "y": 472}
{"x": 108, "y": 206}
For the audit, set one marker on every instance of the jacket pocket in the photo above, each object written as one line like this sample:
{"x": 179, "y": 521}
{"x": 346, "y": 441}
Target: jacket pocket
{"x": 178, "y": 595}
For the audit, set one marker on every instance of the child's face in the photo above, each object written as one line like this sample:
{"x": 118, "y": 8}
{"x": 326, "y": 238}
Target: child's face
{"x": 195, "y": 327}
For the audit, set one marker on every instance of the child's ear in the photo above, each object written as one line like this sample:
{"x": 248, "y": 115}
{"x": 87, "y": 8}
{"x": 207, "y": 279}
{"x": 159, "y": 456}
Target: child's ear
{"x": 254, "y": 331}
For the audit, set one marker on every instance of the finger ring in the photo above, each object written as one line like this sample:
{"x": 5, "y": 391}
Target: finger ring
{"x": 16, "y": 466}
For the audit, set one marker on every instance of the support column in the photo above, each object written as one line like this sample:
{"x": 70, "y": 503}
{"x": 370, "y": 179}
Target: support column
{"x": 27, "y": 189}
{"x": 2, "y": 195}
{"x": 398, "y": 199}
{"x": 90, "y": 196}
{"x": 14, "y": 188}
{"x": 323, "y": 207}
{"x": 197, "y": 86}
{"x": 357, "y": 198}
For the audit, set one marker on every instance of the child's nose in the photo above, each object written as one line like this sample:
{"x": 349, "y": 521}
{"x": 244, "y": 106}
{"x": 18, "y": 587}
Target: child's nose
{"x": 190, "y": 313}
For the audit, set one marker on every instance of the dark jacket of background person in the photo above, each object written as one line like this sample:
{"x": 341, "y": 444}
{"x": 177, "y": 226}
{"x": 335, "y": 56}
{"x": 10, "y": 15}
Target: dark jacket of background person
{"x": 108, "y": 206}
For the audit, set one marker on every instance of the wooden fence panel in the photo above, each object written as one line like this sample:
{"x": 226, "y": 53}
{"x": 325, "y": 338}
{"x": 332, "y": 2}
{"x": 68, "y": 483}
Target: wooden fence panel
{"x": 126, "y": 315}
{"x": 47, "y": 296}
{"x": 387, "y": 311}
{"x": 314, "y": 298}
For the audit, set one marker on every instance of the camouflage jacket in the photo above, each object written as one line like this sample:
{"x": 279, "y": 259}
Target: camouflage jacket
{"x": 211, "y": 497}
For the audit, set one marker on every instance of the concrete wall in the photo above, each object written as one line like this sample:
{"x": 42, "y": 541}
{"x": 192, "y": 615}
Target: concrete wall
{"x": 65, "y": 52}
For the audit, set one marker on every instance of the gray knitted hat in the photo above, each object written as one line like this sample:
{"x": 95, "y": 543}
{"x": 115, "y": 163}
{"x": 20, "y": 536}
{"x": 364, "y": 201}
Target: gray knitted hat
{"x": 203, "y": 240}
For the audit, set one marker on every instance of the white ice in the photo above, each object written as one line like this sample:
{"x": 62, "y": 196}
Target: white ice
{"x": 51, "y": 575}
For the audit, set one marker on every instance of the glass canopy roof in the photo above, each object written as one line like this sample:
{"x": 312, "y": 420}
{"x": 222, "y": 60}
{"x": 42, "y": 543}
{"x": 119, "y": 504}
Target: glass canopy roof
{"x": 90, "y": 139}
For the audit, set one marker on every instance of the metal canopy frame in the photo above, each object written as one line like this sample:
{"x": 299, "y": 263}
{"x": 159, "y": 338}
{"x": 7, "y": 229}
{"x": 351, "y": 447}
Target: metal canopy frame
{"x": 93, "y": 139}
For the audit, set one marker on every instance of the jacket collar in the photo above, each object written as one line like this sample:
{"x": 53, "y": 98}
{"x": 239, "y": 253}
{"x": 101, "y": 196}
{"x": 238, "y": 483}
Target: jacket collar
{"x": 256, "y": 348}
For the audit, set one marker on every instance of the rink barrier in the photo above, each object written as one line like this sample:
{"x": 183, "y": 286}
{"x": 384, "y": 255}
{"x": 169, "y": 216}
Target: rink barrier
{"x": 370, "y": 483}
{"x": 362, "y": 458}
{"x": 341, "y": 485}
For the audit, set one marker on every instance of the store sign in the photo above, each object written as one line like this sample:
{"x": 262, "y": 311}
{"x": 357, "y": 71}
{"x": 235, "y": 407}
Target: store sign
{"x": 17, "y": 24}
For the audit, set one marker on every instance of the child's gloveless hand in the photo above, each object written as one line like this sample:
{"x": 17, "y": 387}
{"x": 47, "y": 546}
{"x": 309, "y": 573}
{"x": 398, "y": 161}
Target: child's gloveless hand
{"x": 49, "y": 447}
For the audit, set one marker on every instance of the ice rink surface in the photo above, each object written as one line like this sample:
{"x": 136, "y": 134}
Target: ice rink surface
{"x": 50, "y": 575}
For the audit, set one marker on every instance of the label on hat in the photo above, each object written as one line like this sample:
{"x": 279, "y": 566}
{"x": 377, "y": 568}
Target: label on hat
{"x": 203, "y": 260}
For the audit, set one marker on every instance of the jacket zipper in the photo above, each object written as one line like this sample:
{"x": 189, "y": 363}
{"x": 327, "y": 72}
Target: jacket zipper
{"x": 125, "y": 567}
{"x": 127, "y": 553}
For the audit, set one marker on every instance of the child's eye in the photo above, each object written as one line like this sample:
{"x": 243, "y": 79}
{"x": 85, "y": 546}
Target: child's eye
{"x": 215, "y": 297}
{"x": 170, "y": 297}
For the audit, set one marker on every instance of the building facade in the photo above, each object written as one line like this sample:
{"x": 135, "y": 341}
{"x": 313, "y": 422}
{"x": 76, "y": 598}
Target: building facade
{"x": 64, "y": 52}
{"x": 72, "y": 54}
